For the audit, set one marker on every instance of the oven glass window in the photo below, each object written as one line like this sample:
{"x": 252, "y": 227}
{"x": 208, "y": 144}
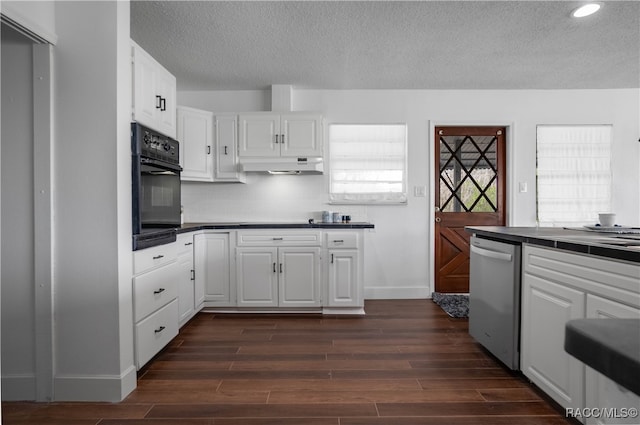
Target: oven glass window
{"x": 160, "y": 198}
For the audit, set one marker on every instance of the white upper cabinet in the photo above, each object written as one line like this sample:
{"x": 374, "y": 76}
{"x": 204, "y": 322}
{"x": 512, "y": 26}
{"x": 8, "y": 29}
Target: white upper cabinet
{"x": 195, "y": 134}
{"x": 154, "y": 93}
{"x": 287, "y": 135}
{"x": 208, "y": 146}
{"x": 226, "y": 149}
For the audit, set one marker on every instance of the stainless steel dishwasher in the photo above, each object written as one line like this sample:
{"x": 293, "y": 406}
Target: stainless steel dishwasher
{"x": 494, "y": 298}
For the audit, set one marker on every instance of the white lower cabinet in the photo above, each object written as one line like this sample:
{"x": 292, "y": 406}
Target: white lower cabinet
{"x": 213, "y": 269}
{"x": 186, "y": 290}
{"x": 278, "y": 276}
{"x": 559, "y": 286}
{"x": 155, "y": 283}
{"x": 279, "y": 268}
{"x": 344, "y": 265}
{"x": 155, "y": 331}
{"x": 548, "y": 307}
{"x": 601, "y": 391}
{"x": 312, "y": 270}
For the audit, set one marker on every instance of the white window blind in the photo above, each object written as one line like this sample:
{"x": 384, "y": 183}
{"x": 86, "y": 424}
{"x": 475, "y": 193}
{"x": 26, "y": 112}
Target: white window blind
{"x": 573, "y": 174}
{"x": 368, "y": 163}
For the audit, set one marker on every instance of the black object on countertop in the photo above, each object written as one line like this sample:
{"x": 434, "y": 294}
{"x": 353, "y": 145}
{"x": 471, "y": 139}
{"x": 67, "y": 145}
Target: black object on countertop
{"x": 610, "y": 346}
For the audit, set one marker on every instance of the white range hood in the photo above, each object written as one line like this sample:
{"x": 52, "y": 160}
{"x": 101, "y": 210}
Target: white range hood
{"x": 293, "y": 165}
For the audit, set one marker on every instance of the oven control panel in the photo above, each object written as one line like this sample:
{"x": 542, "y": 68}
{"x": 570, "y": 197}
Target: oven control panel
{"x": 151, "y": 144}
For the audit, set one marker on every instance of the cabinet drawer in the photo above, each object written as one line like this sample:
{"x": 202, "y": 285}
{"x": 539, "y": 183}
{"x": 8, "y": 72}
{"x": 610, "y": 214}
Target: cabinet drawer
{"x": 279, "y": 238}
{"x": 154, "y": 289}
{"x": 184, "y": 243}
{"x": 155, "y": 332}
{"x": 146, "y": 259}
{"x": 342, "y": 240}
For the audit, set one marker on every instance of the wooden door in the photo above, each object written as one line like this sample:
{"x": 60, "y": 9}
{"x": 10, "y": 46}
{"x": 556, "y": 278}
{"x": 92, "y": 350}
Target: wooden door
{"x": 470, "y": 190}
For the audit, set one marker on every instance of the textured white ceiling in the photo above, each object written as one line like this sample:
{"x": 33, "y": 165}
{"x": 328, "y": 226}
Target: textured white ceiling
{"x": 217, "y": 45}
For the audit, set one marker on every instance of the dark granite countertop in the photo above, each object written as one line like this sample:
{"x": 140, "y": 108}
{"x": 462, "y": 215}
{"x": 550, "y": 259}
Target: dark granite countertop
{"x": 620, "y": 246}
{"x": 610, "y": 346}
{"x": 191, "y": 227}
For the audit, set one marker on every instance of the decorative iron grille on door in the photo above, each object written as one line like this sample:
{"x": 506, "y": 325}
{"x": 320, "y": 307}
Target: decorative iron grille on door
{"x": 468, "y": 173}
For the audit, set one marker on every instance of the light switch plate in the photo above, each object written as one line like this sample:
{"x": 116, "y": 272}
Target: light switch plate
{"x": 419, "y": 191}
{"x": 522, "y": 187}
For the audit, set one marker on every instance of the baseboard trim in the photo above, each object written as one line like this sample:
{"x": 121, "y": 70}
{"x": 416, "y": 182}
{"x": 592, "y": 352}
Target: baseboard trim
{"x": 400, "y": 293}
{"x": 18, "y": 387}
{"x": 108, "y": 388}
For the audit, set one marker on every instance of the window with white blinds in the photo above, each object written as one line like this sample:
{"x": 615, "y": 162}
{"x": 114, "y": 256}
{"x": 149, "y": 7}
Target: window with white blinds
{"x": 368, "y": 163}
{"x": 573, "y": 174}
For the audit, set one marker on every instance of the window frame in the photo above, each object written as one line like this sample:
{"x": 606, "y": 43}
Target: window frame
{"x": 555, "y": 221}
{"x": 403, "y": 196}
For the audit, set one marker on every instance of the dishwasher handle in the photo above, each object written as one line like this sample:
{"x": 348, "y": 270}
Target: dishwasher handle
{"x": 503, "y": 256}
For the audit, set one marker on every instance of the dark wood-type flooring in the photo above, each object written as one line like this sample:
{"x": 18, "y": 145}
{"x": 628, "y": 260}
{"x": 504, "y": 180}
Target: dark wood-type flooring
{"x": 405, "y": 363}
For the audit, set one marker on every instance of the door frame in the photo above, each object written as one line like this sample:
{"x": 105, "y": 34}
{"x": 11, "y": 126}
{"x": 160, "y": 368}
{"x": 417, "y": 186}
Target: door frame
{"x": 511, "y": 149}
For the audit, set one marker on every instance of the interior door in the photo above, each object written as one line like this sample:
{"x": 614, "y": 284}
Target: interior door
{"x": 470, "y": 190}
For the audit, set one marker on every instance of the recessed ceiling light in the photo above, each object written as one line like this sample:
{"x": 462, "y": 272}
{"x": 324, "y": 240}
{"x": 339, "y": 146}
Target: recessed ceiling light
{"x": 586, "y": 10}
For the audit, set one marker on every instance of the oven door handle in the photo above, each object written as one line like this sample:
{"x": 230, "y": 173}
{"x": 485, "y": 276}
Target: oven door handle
{"x": 491, "y": 254}
{"x": 160, "y": 164}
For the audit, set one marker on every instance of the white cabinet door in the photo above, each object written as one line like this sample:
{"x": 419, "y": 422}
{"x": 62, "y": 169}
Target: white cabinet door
{"x": 213, "y": 280}
{"x": 301, "y": 135}
{"x": 299, "y": 277}
{"x": 602, "y": 392}
{"x": 166, "y": 87}
{"x": 343, "y": 288}
{"x": 546, "y": 307}
{"x": 226, "y": 142}
{"x": 154, "y": 93}
{"x": 258, "y": 133}
{"x": 186, "y": 299}
{"x": 145, "y": 102}
{"x": 195, "y": 134}
{"x": 257, "y": 277}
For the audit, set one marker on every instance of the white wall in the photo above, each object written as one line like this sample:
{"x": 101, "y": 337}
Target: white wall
{"x": 93, "y": 301}
{"x": 398, "y": 258}
{"x": 18, "y": 307}
{"x": 92, "y": 347}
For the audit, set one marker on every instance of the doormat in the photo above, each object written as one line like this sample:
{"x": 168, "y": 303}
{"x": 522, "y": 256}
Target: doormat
{"x": 455, "y": 305}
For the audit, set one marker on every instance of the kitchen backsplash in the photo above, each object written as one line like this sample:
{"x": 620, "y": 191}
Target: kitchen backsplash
{"x": 264, "y": 198}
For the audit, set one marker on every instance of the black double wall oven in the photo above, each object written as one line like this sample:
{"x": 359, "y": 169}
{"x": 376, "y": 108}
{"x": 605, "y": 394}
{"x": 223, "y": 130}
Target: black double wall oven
{"x": 155, "y": 187}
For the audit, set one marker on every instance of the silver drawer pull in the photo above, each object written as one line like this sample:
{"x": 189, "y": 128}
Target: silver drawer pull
{"x": 160, "y": 329}
{"x": 159, "y": 291}
{"x": 338, "y": 241}
{"x": 188, "y": 243}
{"x": 157, "y": 257}
{"x": 277, "y": 239}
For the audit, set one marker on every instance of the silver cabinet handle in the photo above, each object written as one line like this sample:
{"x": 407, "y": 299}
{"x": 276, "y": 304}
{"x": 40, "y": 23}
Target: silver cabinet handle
{"x": 331, "y": 258}
{"x": 338, "y": 241}
{"x": 280, "y": 267}
{"x": 160, "y": 329}
{"x": 188, "y": 243}
{"x": 282, "y": 139}
{"x": 193, "y": 275}
{"x": 159, "y": 291}
{"x": 274, "y": 267}
{"x": 277, "y": 239}
{"x": 157, "y": 257}
{"x": 225, "y": 150}
{"x": 276, "y": 138}
{"x": 208, "y": 150}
